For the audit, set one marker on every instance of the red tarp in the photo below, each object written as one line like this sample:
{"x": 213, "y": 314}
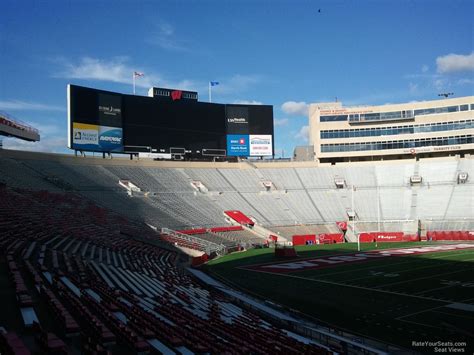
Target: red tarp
{"x": 303, "y": 239}
{"x": 193, "y": 231}
{"x": 239, "y": 217}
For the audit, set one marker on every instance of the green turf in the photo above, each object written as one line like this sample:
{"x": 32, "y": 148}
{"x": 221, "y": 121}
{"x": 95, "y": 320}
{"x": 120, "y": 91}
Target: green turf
{"x": 397, "y": 300}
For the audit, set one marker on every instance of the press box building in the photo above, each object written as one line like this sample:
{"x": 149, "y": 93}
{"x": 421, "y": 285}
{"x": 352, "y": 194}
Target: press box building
{"x": 395, "y": 131}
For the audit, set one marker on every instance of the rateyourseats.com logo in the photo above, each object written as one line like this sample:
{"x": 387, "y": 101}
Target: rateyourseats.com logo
{"x": 454, "y": 347}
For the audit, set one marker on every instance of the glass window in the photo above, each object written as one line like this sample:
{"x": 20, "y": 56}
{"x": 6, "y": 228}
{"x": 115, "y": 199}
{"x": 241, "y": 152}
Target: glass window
{"x": 333, "y": 118}
{"x": 463, "y": 107}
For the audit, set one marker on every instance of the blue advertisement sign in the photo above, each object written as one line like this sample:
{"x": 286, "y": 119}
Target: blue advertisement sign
{"x": 238, "y": 145}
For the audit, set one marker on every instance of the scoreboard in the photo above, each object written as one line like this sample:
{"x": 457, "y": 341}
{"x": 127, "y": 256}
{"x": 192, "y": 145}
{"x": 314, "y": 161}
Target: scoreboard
{"x": 169, "y": 122}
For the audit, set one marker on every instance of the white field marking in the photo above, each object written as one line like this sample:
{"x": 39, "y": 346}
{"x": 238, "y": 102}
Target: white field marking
{"x": 439, "y": 288}
{"x": 400, "y": 271}
{"x": 454, "y": 315}
{"x": 462, "y": 305}
{"x": 350, "y": 252}
{"x": 418, "y": 312}
{"x": 422, "y": 324}
{"x": 385, "y": 265}
{"x": 358, "y": 287}
{"x": 426, "y": 277}
{"x": 434, "y": 289}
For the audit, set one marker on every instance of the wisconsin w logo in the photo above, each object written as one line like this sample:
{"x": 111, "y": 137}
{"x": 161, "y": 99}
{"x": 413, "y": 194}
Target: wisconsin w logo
{"x": 176, "y": 95}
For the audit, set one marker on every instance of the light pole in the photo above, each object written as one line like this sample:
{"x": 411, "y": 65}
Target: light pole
{"x": 354, "y": 217}
{"x": 446, "y": 94}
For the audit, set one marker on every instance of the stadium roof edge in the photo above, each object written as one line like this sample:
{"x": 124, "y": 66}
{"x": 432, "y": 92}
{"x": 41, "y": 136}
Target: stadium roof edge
{"x": 122, "y": 160}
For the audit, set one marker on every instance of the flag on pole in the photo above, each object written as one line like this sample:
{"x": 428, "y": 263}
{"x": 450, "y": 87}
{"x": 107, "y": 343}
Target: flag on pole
{"x": 136, "y": 74}
{"x": 214, "y": 83}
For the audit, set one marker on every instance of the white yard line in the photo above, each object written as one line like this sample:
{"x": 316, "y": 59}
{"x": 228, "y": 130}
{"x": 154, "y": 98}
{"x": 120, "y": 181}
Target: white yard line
{"x": 400, "y": 271}
{"x": 434, "y": 289}
{"x": 385, "y": 265}
{"x": 455, "y": 315}
{"x": 425, "y": 277}
{"x": 422, "y": 324}
{"x": 423, "y": 311}
{"x": 358, "y": 287}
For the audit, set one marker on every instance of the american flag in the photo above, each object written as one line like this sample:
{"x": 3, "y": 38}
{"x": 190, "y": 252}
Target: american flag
{"x": 138, "y": 74}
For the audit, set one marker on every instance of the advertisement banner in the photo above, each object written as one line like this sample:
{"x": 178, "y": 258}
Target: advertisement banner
{"x": 261, "y": 145}
{"x": 237, "y": 145}
{"x": 85, "y": 134}
{"x": 237, "y": 119}
{"x": 97, "y": 138}
{"x": 110, "y": 110}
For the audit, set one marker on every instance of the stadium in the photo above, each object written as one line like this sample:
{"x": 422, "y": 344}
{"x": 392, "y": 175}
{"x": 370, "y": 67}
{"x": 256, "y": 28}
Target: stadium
{"x": 184, "y": 236}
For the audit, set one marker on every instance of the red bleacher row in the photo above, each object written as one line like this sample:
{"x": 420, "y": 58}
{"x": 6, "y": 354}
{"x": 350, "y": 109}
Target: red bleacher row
{"x": 12, "y": 344}
{"x": 214, "y": 230}
{"x": 48, "y": 237}
{"x": 450, "y": 235}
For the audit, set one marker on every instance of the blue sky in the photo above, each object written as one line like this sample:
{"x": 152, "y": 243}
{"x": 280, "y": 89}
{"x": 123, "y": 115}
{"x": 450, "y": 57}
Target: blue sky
{"x": 283, "y": 53}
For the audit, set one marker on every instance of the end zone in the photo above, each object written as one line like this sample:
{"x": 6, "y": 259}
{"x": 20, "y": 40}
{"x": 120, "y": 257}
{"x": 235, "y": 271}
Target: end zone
{"x": 324, "y": 262}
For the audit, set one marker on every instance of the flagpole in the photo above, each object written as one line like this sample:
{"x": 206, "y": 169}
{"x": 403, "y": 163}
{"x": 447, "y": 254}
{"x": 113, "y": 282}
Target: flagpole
{"x": 133, "y": 76}
{"x": 210, "y": 97}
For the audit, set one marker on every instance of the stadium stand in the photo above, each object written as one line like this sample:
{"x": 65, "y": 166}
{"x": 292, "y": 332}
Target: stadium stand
{"x": 301, "y": 195}
{"x": 119, "y": 291}
{"x": 76, "y": 247}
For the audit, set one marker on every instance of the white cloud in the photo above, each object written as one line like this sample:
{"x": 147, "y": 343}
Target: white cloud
{"x": 236, "y": 84}
{"x": 465, "y": 81}
{"x": 413, "y": 88}
{"x": 280, "y": 122}
{"x": 303, "y": 134}
{"x": 88, "y": 68}
{"x": 441, "y": 84}
{"x": 295, "y": 108}
{"x": 118, "y": 70}
{"x": 166, "y": 29}
{"x": 166, "y": 38}
{"x": 424, "y": 68}
{"x": 19, "y": 105}
{"x": 247, "y": 102}
{"x": 452, "y": 63}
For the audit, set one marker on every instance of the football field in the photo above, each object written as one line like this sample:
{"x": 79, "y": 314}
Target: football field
{"x": 403, "y": 294}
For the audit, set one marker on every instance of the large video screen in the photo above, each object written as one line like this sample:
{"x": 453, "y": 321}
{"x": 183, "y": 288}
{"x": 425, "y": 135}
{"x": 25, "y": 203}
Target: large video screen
{"x": 163, "y": 124}
{"x": 111, "y": 122}
{"x": 95, "y": 120}
{"x": 249, "y": 130}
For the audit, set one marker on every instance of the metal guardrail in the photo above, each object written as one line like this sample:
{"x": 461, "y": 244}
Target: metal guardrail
{"x": 18, "y": 122}
{"x": 208, "y": 247}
